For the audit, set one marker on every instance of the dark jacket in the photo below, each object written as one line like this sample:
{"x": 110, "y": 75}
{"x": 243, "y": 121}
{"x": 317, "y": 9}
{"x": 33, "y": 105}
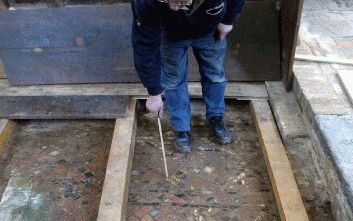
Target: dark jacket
{"x": 152, "y": 18}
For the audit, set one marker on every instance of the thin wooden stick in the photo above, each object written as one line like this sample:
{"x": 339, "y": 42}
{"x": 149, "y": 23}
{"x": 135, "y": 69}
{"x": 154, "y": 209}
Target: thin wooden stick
{"x": 323, "y": 59}
{"x": 163, "y": 150}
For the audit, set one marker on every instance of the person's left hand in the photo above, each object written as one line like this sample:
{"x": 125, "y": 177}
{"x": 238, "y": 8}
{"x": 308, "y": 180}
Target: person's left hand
{"x": 223, "y": 30}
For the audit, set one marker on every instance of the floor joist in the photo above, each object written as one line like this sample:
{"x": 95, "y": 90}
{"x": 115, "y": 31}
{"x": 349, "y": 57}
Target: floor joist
{"x": 6, "y": 128}
{"x": 239, "y": 90}
{"x": 287, "y": 195}
{"x": 116, "y": 184}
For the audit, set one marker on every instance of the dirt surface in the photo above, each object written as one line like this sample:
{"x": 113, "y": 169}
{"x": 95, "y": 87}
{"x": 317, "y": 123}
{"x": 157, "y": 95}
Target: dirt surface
{"x": 213, "y": 182}
{"x": 54, "y": 170}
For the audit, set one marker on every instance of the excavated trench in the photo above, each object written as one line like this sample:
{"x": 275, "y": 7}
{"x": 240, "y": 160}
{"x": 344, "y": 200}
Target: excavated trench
{"x": 54, "y": 170}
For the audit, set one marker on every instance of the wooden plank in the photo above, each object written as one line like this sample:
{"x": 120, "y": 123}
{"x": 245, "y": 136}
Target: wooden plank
{"x": 287, "y": 195}
{"x": 2, "y": 70}
{"x": 65, "y": 45}
{"x": 6, "y": 128}
{"x": 346, "y": 79}
{"x": 4, "y": 5}
{"x": 113, "y": 203}
{"x": 63, "y": 107}
{"x": 323, "y": 59}
{"x": 239, "y": 90}
{"x": 291, "y": 11}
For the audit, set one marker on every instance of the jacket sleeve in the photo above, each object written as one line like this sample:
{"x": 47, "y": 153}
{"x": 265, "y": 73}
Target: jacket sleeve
{"x": 146, "y": 37}
{"x": 233, "y": 10}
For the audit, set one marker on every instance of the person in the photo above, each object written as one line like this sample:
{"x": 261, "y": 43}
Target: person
{"x": 162, "y": 32}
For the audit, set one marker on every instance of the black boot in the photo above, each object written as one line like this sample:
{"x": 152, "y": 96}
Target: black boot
{"x": 221, "y": 133}
{"x": 182, "y": 141}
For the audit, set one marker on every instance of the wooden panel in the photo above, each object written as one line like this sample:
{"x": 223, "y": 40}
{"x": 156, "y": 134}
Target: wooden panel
{"x": 113, "y": 204}
{"x": 239, "y": 90}
{"x": 6, "y": 128}
{"x": 291, "y": 11}
{"x": 63, "y": 107}
{"x": 287, "y": 195}
{"x": 91, "y": 44}
{"x": 346, "y": 79}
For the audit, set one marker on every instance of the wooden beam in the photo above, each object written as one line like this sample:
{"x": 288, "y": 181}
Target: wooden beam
{"x": 323, "y": 59}
{"x": 287, "y": 195}
{"x": 4, "y": 4}
{"x": 113, "y": 204}
{"x": 2, "y": 70}
{"x": 239, "y": 90}
{"x": 291, "y": 11}
{"x": 6, "y": 128}
{"x": 346, "y": 80}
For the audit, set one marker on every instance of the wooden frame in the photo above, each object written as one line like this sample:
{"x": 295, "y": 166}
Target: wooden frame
{"x": 114, "y": 199}
{"x": 113, "y": 205}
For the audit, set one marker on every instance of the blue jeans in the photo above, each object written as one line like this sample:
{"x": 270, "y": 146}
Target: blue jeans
{"x": 210, "y": 57}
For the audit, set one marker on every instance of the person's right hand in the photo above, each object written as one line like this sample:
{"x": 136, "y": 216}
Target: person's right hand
{"x": 155, "y": 105}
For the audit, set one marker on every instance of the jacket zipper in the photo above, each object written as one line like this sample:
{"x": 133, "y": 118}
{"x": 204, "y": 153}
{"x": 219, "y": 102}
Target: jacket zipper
{"x": 137, "y": 16}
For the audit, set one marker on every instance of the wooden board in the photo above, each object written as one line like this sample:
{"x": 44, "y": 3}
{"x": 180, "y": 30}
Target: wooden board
{"x": 346, "y": 79}
{"x": 91, "y": 44}
{"x": 113, "y": 203}
{"x": 3, "y": 5}
{"x": 2, "y": 71}
{"x": 239, "y": 90}
{"x": 63, "y": 107}
{"x": 287, "y": 195}
{"x": 6, "y": 128}
{"x": 291, "y": 11}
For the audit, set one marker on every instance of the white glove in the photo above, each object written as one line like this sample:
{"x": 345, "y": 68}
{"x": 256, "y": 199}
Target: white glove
{"x": 224, "y": 30}
{"x": 155, "y": 105}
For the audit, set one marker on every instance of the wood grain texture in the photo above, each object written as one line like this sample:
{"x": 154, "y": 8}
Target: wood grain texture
{"x": 6, "y": 128}
{"x": 346, "y": 79}
{"x": 65, "y": 45}
{"x": 287, "y": 195}
{"x": 3, "y": 4}
{"x": 239, "y": 90}
{"x": 113, "y": 203}
{"x": 291, "y": 11}
{"x": 63, "y": 107}
{"x": 2, "y": 70}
